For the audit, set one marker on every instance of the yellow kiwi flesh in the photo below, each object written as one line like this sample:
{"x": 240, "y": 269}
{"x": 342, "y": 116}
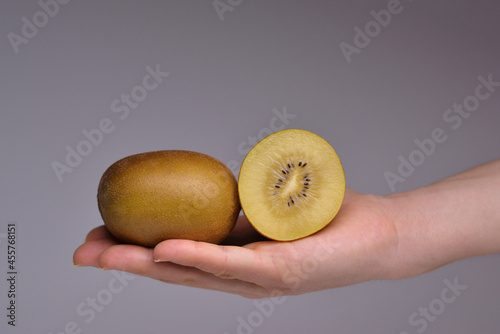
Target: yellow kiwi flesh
{"x": 291, "y": 185}
{"x": 150, "y": 197}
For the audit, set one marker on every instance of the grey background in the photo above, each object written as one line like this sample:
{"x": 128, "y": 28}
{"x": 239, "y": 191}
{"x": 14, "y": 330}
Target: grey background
{"x": 226, "y": 77}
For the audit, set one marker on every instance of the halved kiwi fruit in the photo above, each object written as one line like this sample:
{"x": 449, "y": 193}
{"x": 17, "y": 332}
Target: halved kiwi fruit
{"x": 291, "y": 185}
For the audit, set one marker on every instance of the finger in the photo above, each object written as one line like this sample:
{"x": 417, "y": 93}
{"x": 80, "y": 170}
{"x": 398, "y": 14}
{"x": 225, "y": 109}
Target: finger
{"x": 242, "y": 234}
{"x": 349, "y": 194}
{"x": 139, "y": 260}
{"x": 228, "y": 262}
{"x": 98, "y": 233}
{"x": 89, "y": 253}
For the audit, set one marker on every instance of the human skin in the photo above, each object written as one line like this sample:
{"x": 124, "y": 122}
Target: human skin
{"x": 372, "y": 237}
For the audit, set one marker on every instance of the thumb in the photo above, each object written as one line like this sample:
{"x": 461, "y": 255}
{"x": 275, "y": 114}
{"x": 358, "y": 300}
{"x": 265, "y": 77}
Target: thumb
{"x": 349, "y": 195}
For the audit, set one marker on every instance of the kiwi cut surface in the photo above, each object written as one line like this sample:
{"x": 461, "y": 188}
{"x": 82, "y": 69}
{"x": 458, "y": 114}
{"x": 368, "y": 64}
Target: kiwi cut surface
{"x": 291, "y": 184}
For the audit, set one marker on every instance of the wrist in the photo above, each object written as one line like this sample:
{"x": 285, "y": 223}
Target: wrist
{"x": 431, "y": 230}
{"x": 407, "y": 260}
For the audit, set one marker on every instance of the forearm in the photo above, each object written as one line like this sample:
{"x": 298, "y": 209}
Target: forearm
{"x": 449, "y": 220}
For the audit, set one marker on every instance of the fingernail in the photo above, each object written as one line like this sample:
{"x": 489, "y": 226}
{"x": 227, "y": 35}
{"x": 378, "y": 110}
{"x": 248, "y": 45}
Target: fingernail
{"x": 160, "y": 260}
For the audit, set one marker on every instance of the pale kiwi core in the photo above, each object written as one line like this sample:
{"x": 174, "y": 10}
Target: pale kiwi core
{"x": 291, "y": 185}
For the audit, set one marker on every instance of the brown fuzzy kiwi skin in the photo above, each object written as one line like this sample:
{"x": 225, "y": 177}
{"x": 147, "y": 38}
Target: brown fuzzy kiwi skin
{"x": 149, "y": 197}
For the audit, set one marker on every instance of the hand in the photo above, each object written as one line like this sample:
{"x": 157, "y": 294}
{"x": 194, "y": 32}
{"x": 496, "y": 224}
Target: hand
{"x": 372, "y": 237}
{"x": 360, "y": 244}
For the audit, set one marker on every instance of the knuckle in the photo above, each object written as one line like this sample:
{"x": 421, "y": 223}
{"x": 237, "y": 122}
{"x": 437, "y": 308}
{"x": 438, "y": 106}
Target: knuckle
{"x": 190, "y": 281}
{"x": 222, "y": 271}
{"x": 224, "y": 275}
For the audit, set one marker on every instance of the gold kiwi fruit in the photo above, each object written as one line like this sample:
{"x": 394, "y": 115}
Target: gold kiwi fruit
{"x": 150, "y": 197}
{"x": 291, "y": 184}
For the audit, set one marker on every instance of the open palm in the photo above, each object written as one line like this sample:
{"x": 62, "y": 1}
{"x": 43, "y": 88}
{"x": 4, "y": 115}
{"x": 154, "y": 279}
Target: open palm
{"x": 358, "y": 245}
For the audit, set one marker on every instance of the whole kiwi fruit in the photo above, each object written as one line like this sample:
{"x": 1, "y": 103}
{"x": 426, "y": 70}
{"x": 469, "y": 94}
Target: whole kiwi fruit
{"x": 173, "y": 194}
